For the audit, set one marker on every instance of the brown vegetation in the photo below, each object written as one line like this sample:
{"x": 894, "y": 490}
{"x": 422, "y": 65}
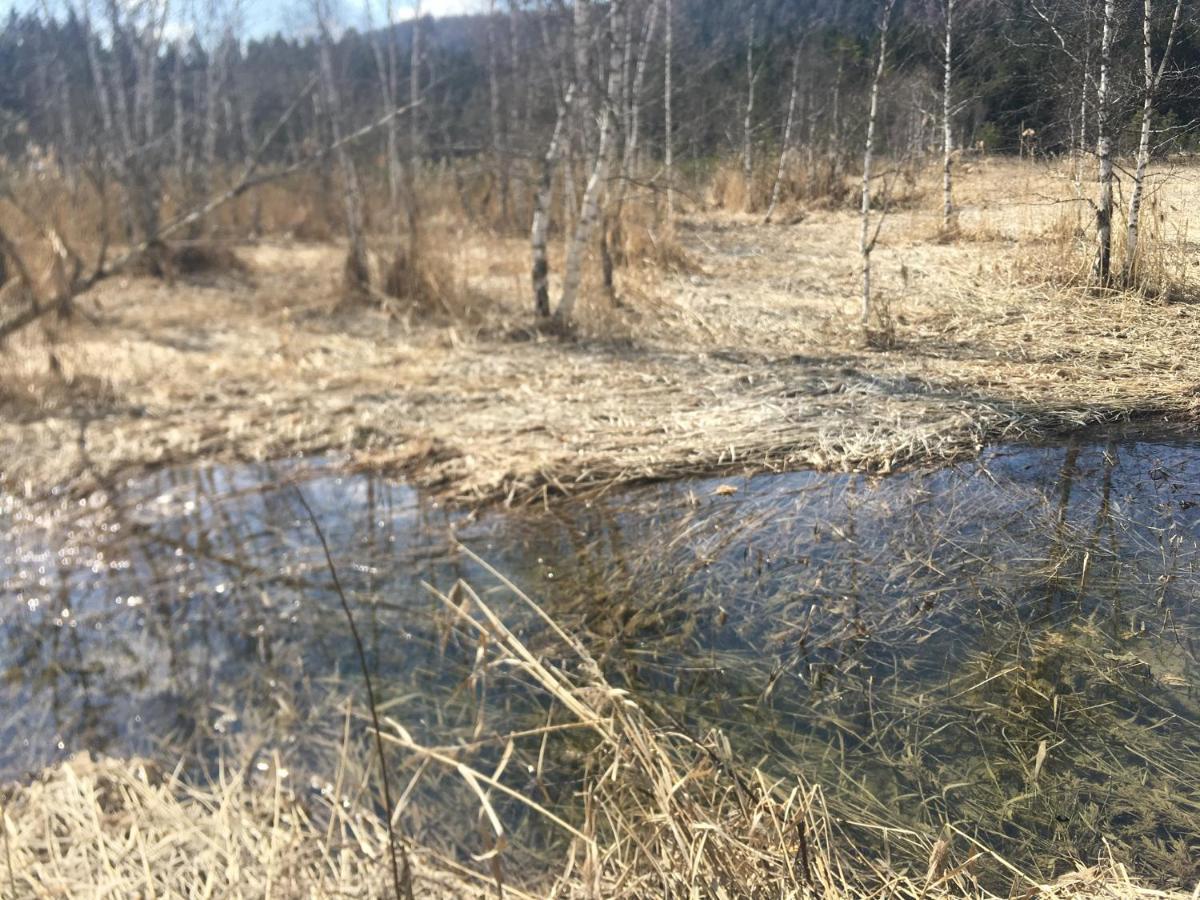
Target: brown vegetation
{"x": 745, "y": 357}
{"x": 664, "y": 814}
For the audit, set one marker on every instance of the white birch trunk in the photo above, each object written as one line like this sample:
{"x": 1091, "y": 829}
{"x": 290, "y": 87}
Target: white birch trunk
{"x": 214, "y": 80}
{"x": 668, "y": 139}
{"x": 590, "y": 208}
{"x": 633, "y": 136}
{"x": 499, "y": 153}
{"x": 785, "y": 150}
{"x": 178, "y": 123}
{"x": 1104, "y": 207}
{"x": 835, "y": 125}
{"x": 582, "y": 40}
{"x": 947, "y": 112}
{"x": 1152, "y": 79}
{"x": 541, "y": 209}
{"x": 866, "y": 239}
{"x": 358, "y": 267}
{"x": 748, "y": 124}
{"x": 414, "y": 142}
{"x": 1081, "y": 150}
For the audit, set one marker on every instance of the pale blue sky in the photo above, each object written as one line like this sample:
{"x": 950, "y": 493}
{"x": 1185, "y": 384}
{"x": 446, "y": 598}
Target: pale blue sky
{"x": 291, "y": 16}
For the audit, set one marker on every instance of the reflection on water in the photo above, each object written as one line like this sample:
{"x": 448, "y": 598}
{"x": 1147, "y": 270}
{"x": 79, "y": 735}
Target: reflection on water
{"x": 1010, "y": 645}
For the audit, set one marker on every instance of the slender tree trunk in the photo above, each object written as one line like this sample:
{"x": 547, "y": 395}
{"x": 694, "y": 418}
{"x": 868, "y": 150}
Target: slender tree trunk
{"x": 627, "y": 77}
{"x": 669, "y": 132}
{"x": 1104, "y": 208}
{"x": 785, "y": 150}
{"x": 499, "y": 153}
{"x": 518, "y": 99}
{"x": 582, "y": 40}
{"x": 1152, "y": 78}
{"x": 70, "y": 158}
{"x": 541, "y": 209}
{"x": 748, "y": 123}
{"x": 414, "y": 146}
{"x": 947, "y": 112}
{"x": 386, "y": 68}
{"x": 835, "y": 125}
{"x": 867, "y": 240}
{"x": 1081, "y": 150}
{"x": 358, "y": 264}
{"x": 245, "y": 115}
{"x": 632, "y": 105}
{"x": 590, "y": 208}
{"x": 178, "y": 123}
{"x": 214, "y": 82}
{"x": 633, "y": 143}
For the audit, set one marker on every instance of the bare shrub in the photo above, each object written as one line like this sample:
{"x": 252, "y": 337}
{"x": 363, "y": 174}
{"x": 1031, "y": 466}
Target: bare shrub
{"x": 360, "y": 278}
{"x": 727, "y": 188}
{"x": 425, "y": 284}
{"x": 639, "y": 238}
{"x": 879, "y": 332}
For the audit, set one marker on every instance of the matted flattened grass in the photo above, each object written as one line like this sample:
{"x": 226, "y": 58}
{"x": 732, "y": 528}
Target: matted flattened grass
{"x": 748, "y": 359}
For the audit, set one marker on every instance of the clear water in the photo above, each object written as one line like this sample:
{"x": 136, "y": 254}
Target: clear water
{"x": 913, "y": 643}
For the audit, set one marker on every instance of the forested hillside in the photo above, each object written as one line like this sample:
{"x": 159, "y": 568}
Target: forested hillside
{"x": 1020, "y": 64}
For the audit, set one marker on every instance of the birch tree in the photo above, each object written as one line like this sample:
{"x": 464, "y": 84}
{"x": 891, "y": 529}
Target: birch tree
{"x": 748, "y": 123}
{"x": 786, "y": 147}
{"x": 947, "y": 112}
{"x": 1152, "y": 79}
{"x": 387, "y": 70}
{"x": 499, "y": 150}
{"x": 635, "y": 73}
{"x": 867, "y": 239}
{"x": 406, "y": 262}
{"x": 1104, "y": 150}
{"x": 668, "y": 93}
{"x": 358, "y": 266}
{"x": 590, "y": 207}
{"x": 541, "y": 208}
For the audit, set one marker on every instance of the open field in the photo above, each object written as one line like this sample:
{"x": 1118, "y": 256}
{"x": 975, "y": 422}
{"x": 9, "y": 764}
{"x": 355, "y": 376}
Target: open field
{"x": 748, "y": 358}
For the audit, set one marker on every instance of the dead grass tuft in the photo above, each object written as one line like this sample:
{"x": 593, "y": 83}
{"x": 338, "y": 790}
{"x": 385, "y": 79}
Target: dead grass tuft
{"x": 641, "y": 239}
{"x": 429, "y": 287}
{"x": 360, "y": 279}
{"x": 125, "y": 828}
{"x": 664, "y": 813}
{"x": 205, "y": 258}
{"x": 191, "y": 261}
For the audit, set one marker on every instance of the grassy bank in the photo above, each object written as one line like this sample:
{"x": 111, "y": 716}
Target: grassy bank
{"x": 746, "y": 357}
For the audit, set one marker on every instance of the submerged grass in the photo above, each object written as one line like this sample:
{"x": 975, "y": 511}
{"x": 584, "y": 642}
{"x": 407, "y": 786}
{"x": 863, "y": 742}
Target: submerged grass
{"x": 659, "y": 814}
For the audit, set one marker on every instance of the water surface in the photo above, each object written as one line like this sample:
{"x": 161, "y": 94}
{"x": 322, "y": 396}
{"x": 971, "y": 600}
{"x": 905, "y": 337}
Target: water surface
{"x": 1011, "y": 645}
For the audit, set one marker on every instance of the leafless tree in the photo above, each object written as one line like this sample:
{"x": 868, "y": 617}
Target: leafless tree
{"x": 541, "y": 208}
{"x": 867, "y": 239}
{"x": 358, "y": 263}
{"x": 751, "y": 83}
{"x": 668, "y": 93}
{"x": 590, "y": 207}
{"x": 786, "y": 147}
{"x": 1104, "y": 149}
{"x": 1152, "y": 79}
{"x": 947, "y": 112}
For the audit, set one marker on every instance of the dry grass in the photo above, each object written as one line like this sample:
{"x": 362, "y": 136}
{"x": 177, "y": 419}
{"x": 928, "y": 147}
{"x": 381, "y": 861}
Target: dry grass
{"x": 665, "y": 814}
{"x": 124, "y": 828}
{"x": 748, "y": 358}
{"x": 658, "y": 813}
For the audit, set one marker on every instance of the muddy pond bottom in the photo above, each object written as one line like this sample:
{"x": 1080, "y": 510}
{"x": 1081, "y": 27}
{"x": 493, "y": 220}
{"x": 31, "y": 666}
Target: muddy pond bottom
{"x": 1011, "y": 646}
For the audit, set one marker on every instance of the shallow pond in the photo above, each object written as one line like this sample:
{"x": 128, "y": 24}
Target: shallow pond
{"x": 1012, "y": 645}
